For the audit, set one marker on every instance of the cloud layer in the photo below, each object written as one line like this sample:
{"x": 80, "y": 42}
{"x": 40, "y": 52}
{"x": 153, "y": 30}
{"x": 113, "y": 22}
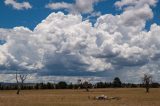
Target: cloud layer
{"x": 65, "y": 45}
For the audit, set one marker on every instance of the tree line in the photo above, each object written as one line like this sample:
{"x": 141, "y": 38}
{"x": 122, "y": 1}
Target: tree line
{"x": 116, "y": 83}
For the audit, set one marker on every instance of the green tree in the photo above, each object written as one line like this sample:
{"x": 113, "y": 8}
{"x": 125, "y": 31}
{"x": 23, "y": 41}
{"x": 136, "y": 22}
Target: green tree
{"x": 117, "y": 82}
{"x": 100, "y": 85}
{"x": 49, "y": 85}
{"x": 86, "y": 86}
{"x": 62, "y": 85}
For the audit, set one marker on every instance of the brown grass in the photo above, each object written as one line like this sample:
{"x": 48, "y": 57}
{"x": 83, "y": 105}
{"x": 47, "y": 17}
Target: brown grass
{"x": 129, "y": 97}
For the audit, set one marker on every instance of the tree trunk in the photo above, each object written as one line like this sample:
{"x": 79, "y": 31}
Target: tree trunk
{"x": 147, "y": 90}
{"x": 18, "y": 89}
{"x": 87, "y": 89}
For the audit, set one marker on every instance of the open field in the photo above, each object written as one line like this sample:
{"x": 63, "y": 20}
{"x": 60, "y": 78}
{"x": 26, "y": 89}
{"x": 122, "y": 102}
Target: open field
{"x": 129, "y": 97}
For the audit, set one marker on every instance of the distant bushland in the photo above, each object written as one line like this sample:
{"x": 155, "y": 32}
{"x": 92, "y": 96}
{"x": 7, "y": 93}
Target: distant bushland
{"x": 65, "y": 85}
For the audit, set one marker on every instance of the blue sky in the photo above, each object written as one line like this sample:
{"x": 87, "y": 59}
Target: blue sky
{"x": 31, "y": 17}
{"x": 120, "y": 39}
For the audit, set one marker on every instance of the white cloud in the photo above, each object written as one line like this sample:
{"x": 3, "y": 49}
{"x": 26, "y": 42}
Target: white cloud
{"x": 18, "y": 6}
{"x": 80, "y": 6}
{"x": 61, "y": 5}
{"x": 68, "y": 46}
{"x": 19, "y": 49}
{"x": 135, "y": 3}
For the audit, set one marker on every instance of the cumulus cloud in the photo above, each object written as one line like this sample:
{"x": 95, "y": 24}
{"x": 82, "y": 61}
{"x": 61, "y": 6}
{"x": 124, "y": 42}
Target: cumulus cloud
{"x": 66, "y": 45}
{"x": 80, "y": 6}
{"x": 135, "y": 3}
{"x": 18, "y": 6}
{"x": 18, "y": 51}
{"x": 61, "y": 5}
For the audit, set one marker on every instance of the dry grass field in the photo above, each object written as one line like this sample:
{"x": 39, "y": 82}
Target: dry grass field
{"x": 129, "y": 97}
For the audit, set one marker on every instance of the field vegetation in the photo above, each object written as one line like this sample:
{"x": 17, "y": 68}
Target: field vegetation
{"x": 79, "y": 97}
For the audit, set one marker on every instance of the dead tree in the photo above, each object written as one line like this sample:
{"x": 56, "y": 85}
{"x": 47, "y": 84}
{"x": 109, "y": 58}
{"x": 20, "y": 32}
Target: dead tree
{"x": 20, "y": 78}
{"x": 147, "y": 80}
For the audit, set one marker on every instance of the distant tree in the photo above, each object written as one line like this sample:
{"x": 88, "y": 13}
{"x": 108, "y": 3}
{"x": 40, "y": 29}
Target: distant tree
{"x": 147, "y": 80}
{"x": 20, "y": 78}
{"x": 49, "y": 85}
{"x": 101, "y": 85}
{"x": 41, "y": 85}
{"x": 1, "y": 87}
{"x": 70, "y": 86}
{"x": 86, "y": 86}
{"x": 117, "y": 82}
{"x": 62, "y": 85}
{"x": 79, "y": 83}
{"x": 155, "y": 85}
{"x": 36, "y": 86}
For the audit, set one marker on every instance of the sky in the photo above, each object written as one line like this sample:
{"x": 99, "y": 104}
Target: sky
{"x": 67, "y": 40}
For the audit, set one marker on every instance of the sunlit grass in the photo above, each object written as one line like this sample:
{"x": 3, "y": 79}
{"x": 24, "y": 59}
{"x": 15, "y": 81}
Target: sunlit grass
{"x": 129, "y": 97}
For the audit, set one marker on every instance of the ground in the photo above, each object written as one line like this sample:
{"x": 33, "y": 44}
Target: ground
{"x": 129, "y": 97}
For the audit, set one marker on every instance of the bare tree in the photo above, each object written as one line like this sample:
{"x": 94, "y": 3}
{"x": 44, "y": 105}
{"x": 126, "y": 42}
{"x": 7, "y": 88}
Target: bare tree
{"x": 147, "y": 80}
{"x": 20, "y": 78}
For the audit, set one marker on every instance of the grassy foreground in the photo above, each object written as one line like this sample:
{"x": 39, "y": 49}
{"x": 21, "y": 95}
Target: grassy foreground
{"x": 129, "y": 97}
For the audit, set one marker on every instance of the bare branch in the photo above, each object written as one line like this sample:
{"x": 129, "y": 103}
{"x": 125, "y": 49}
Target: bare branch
{"x": 147, "y": 80}
{"x": 20, "y": 78}
{"x": 23, "y": 77}
{"x": 17, "y": 78}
